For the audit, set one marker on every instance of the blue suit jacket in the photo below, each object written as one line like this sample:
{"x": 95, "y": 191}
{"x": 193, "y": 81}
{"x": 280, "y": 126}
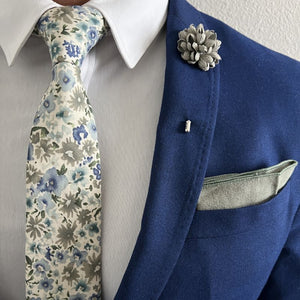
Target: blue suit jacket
{"x": 245, "y": 116}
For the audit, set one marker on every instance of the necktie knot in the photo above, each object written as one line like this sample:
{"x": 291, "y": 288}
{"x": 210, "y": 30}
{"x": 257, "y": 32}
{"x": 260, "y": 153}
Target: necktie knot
{"x": 71, "y": 32}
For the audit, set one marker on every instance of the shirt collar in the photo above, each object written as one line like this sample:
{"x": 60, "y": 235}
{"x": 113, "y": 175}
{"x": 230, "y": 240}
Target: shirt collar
{"x": 134, "y": 24}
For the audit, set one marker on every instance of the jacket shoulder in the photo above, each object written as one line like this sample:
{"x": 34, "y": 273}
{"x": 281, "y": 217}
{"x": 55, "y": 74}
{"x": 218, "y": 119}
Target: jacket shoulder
{"x": 244, "y": 58}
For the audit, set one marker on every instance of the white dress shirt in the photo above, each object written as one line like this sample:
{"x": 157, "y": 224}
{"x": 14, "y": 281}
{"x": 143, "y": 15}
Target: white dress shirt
{"x": 124, "y": 77}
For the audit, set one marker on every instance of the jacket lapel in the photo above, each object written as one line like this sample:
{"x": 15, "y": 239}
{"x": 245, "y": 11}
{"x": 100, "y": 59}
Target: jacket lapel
{"x": 179, "y": 164}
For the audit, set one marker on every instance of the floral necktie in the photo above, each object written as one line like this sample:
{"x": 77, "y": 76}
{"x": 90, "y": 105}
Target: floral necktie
{"x": 63, "y": 172}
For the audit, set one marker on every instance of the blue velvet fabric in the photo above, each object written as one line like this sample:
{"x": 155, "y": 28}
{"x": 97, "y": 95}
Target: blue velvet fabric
{"x": 245, "y": 116}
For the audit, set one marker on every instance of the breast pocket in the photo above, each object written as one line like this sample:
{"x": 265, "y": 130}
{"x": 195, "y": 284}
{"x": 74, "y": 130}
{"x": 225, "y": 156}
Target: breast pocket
{"x": 238, "y": 202}
{"x": 239, "y": 228}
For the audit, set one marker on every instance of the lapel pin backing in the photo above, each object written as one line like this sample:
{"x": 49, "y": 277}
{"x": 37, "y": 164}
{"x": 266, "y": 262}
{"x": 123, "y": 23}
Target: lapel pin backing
{"x": 188, "y": 126}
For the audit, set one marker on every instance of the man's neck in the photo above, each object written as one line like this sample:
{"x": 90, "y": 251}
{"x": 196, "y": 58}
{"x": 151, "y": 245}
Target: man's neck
{"x": 71, "y": 2}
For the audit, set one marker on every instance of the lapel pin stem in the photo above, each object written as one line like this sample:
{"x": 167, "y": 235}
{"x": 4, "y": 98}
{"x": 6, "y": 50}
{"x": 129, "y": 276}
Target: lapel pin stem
{"x": 188, "y": 126}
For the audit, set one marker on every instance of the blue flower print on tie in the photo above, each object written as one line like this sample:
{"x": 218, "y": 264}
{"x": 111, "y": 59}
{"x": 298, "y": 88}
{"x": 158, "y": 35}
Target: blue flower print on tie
{"x": 35, "y": 247}
{"x": 81, "y": 11}
{"x": 45, "y": 202}
{"x": 80, "y": 175}
{"x": 79, "y": 133}
{"x": 92, "y": 229}
{"x": 48, "y": 104}
{"x": 78, "y": 296}
{"x": 41, "y": 267}
{"x": 78, "y": 256}
{"x": 82, "y": 286}
{"x": 52, "y": 182}
{"x": 48, "y": 254}
{"x": 93, "y": 36}
{"x": 61, "y": 256}
{"x": 66, "y": 80}
{"x": 72, "y": 49}
{"x": 42, "y": 22}
{"x": 46, "y": 284}
{"x": 55, "y": 49}
{"x": 97, "y": 171}
{"x": 91, "y": 126}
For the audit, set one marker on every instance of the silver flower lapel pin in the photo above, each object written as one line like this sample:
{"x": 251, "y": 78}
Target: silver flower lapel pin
{"x": 199, "y": 46}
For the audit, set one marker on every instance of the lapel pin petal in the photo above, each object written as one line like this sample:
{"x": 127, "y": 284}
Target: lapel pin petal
{"x": 199, "y": 46}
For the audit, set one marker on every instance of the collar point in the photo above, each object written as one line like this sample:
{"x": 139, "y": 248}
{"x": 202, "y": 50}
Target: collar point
{"x": 10, "y": 57}
{"x": 130, "y": 63}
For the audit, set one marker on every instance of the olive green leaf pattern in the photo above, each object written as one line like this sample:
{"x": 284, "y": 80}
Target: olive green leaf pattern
{"x": 63, "y": 170}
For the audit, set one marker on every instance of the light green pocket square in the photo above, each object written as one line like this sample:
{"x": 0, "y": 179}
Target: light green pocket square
{"x": 237, "y": 190}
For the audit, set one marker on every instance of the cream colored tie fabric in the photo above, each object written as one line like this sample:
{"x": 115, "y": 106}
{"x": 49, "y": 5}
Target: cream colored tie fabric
{"x": 63, "y": 172}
